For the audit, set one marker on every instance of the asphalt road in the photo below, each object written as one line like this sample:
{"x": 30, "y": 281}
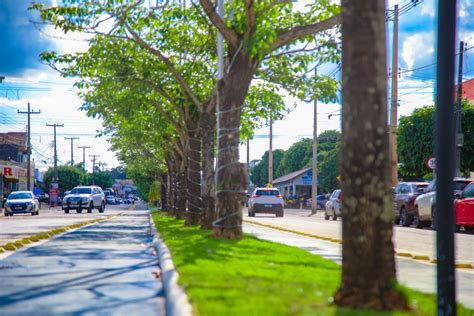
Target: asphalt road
{"x": 414, "y": 274}
{"x": 406, "y": 239}
{"x": 24, "y": 225}
{"x": 100, "y": 269}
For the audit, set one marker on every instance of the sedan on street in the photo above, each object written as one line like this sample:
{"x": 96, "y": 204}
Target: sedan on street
{"x": 21, "y": 202}
{"x": 464, "y": 208}
{"x": 333, "y": 206}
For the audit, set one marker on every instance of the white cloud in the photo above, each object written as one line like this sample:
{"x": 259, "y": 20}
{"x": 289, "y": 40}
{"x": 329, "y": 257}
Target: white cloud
{"x": 417, "y": 47}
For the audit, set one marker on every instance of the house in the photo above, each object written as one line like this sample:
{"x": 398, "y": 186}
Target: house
{"x": 13, "y": 162}
{"x": 468, "y": 90}
{"x": 295, "y": 183}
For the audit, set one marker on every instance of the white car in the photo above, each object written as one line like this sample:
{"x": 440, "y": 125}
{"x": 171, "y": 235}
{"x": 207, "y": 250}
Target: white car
{"x": 21, "y": 202}
{"x": 266, "y": 200}
{"x": 425, "y": 204}
{"x": 84, "y": 197}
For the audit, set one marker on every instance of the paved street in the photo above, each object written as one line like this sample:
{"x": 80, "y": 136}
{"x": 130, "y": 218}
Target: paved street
{"x": 407, "y": 239}
{"x": 101, "y": 269}
{"x": 20, "y": 226}
{"x": 414, "y": 274}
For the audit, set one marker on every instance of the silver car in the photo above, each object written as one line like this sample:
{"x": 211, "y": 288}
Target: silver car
{"x": 333, "y": 206}
{"x": 84, "y": 197}
{"x": 21, "y": 202}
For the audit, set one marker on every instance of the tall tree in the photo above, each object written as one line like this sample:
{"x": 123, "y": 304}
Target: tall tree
{"x": 415, "y": 141}
{"x": 365, "y": 166}
{"x": 256, "y": 31}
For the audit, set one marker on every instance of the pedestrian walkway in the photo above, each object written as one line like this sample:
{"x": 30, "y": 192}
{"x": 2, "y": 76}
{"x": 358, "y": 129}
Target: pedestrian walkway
{"x": 101, "y": 269}
{"x": 414, "y": 274}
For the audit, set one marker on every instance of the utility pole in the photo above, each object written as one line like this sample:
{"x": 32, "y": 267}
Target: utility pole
{"x": 55, "y": 180}
{"x": 444, "y": 147}
{"x": 459, "y": 134}
{"x": 394, "y": 103}
{"x": 314, "y": 183}
{"x": 84, "y": 156}
{"x": 270, "y": 152}
{"x": 72, "y": 148}
{"x": 28, "y": 166}
{"x": 94, "y": 158}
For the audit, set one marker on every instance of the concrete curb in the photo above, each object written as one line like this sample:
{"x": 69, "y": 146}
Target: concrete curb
{"x": 398, "y": 253}
{"x": 177, "y": 302}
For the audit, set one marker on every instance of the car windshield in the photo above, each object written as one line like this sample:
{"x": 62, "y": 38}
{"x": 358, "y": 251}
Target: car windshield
{"x": 81, "y": 191}
{"x": 267, "y": 192}
{"x": 20, "y": 196}
{"x": 421, "y": 186}
{"x": 460, "y": 185}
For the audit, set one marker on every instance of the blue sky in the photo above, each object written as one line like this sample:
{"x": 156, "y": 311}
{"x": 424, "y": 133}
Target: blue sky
{"x": 30, "y": 81}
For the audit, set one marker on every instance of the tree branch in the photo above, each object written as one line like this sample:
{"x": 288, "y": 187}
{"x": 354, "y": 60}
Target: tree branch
{"x": 288, "y": 36}
{"x": 182, "y": 83}
{"x": 274, "y": 3}
{"x": 250, "y": 18}
{"x": 229, "y": 35}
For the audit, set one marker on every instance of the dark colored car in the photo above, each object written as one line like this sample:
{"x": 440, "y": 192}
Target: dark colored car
{"x": 464, "y": 208}
{"x": 404, "y": 197}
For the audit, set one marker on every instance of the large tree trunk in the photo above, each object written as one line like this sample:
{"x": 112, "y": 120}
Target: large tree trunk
{"x": 194, "y": 212}
{"x": 164, "y": 192}
{"x": 368, "y": 268}
{"x": 232, "y": 176}
{"x": 208, "y": 126}
{"x": 171, "y": 188}
{"x": 179, "y": 192}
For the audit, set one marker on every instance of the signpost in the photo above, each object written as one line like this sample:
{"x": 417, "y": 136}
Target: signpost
{"x": 53, "y": 194}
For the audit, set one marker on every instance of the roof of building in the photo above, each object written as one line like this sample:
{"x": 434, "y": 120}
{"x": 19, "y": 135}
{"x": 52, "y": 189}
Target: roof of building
{"x": 468, "y": 90}
{"x": 290, "y": 176}
{"x": 14, "y": 138}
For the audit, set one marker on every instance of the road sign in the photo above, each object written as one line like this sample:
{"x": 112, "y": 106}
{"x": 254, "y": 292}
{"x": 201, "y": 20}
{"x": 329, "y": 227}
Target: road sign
{"x": 431, "y": 163}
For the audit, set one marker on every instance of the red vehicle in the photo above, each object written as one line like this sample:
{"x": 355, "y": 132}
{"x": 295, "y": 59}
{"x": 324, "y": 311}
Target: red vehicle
{"x": 464, "y": 208}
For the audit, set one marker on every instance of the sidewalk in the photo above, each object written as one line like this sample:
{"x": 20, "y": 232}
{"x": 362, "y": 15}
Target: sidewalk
{"x": 101, "y": 269}
{"x": 416, "y": 275}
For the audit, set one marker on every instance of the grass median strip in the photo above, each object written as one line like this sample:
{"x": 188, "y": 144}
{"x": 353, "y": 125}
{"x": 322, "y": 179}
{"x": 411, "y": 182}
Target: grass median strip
{"x": 257, "y": 277}
{"x": 17, "y": 244}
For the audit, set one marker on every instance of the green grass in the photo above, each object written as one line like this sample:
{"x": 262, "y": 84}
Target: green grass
{"x": 256, "y": 277}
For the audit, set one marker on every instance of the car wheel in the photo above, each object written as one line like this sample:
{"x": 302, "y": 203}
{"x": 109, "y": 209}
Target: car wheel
{"x": 468, "y": 229}
{"x": 79, "y": 210}
{"x": 404, "y": 217}
{"x": 334, "y": 216}
{"x": 91, "y": 206}
{"x": 6, "y": 214}
{"x": 33, "y": 213}
{"x": 326, "y": 216}
{"x": 102, "y": 208}
{"x": 66, "y": 211}
{"x": 279, "y": 214}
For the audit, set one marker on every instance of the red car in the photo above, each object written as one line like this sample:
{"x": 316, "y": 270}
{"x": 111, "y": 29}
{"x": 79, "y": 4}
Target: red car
{"x": 464, "y": 208}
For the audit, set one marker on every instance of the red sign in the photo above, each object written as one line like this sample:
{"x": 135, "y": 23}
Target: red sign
{"x": 431, "y": 163}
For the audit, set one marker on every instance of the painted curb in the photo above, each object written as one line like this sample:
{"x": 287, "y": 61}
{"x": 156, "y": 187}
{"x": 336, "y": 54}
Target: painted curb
{"x": 177, "y": 302}
{"x": 408, "y": 255}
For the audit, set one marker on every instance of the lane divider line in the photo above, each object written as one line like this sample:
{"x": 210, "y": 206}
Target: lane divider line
{"x": 20, "y": 243}
{"x": 459, "y": 265}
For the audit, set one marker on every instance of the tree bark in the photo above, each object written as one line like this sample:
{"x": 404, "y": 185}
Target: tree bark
{"x": 171, "y": 187}
{"x": 232, "y": 176}
{"x": 194, "y": 212}
{"x": 368, "y": 269}
{"x": 181, "y": 192}
{"x": 164, "y": 192}
{"x": 208, "y": 126}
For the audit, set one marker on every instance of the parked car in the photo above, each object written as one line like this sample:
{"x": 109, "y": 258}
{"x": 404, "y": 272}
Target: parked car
{"x": 110, "y": 199}
{"x": 321, "y": 201}
{"x": 404, "y": 197}
{"x": 84, "y": 197}
{"x": 21, "y": 202}
{"x": 333, "y": 206}
{"x": 266, "y": 200}
{"x": 426, "y": 203}
{"x": 464, "y": 208}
